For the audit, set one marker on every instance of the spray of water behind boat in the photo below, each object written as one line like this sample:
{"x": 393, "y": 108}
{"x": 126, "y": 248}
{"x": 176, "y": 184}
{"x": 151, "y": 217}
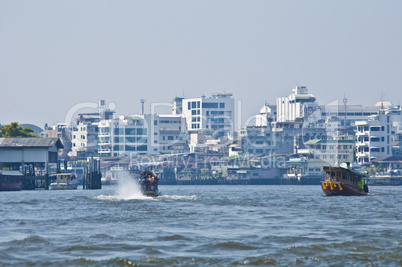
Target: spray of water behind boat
{"x": 127, "y": 187}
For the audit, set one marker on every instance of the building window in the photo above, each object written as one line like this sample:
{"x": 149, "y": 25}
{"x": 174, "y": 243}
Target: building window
{"x": 142, "y": 148}
{"x": 130, "y": 131}
{"x": 209, "y": 105}
{"x": 221, "y": 105}
{"x": 141, "y": 131}
{"x": 130, "y": 148}
{"x": 118, "y": 131}
{"x": 129, "y": 140}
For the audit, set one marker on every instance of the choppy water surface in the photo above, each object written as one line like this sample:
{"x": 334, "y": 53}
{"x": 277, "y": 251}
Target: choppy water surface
{"x": 201, "y": 226}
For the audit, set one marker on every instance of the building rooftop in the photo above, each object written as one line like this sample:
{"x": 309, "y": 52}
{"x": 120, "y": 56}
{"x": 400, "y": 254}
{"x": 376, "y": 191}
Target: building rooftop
{"x": 21, "y": 142}
{"x": 327, "y": 141}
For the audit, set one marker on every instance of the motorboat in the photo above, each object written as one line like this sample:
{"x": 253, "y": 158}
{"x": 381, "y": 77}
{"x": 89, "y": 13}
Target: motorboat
{"x": 64, "y": 181}
{"x": 148, "y": 182}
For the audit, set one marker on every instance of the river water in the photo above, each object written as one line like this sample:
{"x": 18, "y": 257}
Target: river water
{"x": 240, "y": 225}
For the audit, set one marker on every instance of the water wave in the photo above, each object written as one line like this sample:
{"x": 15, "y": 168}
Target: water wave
{"x": 176, "y": 197}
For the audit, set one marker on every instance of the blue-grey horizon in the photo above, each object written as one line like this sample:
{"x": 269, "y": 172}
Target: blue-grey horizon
{"x": 56, "y": 54}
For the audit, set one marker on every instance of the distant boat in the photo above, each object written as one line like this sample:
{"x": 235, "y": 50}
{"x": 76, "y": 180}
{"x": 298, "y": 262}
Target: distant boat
{"x": 343, "y": 181}
{"x": 108, "y": 181}
{"x": 64, "y": 181}
{"x": 148, "y": 182}
{"x": 385, "y": 179}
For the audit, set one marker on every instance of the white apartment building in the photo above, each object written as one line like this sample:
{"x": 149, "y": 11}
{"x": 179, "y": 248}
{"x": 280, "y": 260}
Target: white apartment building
{"x": 142, "y": 134}
{"x": 373, "y": 138}
{"x": 84, "y": 139}
{"x": 172, "y": 135}
{"x": 128, "y": 135}
{"x": 298, "y": 105}
{"x": 215, "y": 114}
{"x": 266, "y": 117}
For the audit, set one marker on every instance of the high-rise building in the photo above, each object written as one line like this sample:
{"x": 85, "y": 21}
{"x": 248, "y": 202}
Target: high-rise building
{"x": 214, "y": 115}
{"x": 373, "y": 138}
{"x": 127, "y": 135}
{"x": 298, "y": 105}
{"x": 142, "y": 134}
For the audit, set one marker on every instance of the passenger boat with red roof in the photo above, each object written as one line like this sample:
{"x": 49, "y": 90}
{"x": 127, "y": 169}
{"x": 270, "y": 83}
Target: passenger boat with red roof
{"x": 344, "y": 181}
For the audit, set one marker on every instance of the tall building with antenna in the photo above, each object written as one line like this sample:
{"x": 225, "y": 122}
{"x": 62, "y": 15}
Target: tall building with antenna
{"x": 297, "y": 106}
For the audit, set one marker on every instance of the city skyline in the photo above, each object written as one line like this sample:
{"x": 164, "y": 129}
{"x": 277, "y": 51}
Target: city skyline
{"x": 58, "y": 54}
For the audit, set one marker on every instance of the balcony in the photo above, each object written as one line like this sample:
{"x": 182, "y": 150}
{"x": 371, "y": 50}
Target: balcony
{"x": 362, "y": 154}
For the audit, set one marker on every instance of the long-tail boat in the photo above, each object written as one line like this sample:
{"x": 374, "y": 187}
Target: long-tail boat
{"x": 148, "y": 182}
{"x": 344, "y": 181}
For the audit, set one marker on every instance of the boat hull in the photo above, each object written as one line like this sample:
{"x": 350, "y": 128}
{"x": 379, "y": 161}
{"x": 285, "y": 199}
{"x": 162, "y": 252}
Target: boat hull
{"x": 341, "y": 189}
{"x": 62, "y": 186}
{"x": 12, "y": 186}
{"x": 151, "y": 193}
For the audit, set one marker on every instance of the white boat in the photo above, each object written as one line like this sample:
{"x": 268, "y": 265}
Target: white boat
{"x": 64, "y": 181}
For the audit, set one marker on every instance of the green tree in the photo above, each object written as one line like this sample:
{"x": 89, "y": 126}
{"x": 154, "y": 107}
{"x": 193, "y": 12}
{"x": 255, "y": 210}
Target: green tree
{"x": 14, "y": 130}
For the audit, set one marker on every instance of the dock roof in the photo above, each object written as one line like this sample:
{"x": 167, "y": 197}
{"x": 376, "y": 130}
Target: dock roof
{"x": 31, "y": 142}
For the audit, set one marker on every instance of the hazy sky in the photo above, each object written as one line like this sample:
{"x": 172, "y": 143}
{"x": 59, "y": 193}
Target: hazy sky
{"x": 55, "y": 54}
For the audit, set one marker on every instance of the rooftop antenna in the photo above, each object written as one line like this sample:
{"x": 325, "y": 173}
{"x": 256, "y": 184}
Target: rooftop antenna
{"x": 142, "y": 104}
{"x": 345, "y": 100}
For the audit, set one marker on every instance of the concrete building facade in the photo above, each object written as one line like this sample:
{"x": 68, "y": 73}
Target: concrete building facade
{"x": 297, "y": 106}
{"x": 215, "y": 114}
{"x": 373, "y": 138}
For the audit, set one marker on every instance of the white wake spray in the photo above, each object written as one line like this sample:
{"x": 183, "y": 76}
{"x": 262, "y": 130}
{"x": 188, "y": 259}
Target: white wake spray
{"x": 127, "y": 187}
